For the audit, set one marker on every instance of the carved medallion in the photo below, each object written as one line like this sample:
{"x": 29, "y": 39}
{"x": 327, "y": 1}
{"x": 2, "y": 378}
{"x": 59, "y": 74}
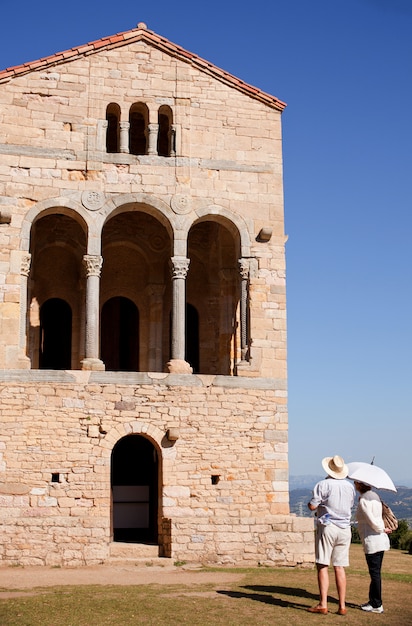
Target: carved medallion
{"x": 181, "y": 204}
{"x": 93, "y": 200}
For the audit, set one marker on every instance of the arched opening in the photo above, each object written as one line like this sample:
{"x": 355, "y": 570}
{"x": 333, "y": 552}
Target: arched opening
{"x": 192, "y": 337}
{"x": 57, "y": 245}
{"x": 164, "y": 137}
{"x": 55, "y": 335}
{"x": 213, "y": 289}
{"x": 134, "y": 482}
{"x": 113, "y": 127}
{"x": 139, "y": 119}
{"x": 136, "y": 249}
{"x": 119, "y": 346}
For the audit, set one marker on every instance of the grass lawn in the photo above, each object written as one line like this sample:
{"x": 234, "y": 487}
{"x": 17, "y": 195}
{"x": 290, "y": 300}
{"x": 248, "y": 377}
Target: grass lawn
{"x": 277, "y": 596}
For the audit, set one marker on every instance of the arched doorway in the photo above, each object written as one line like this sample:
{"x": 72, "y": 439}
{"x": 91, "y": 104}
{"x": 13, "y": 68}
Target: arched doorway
{"x": 120, "y": 335}
{"x": 55, "y": 350}
{"x": 134, "y": 482}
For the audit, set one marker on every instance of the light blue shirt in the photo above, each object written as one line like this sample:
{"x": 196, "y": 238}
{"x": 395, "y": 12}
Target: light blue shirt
{"x": 335, "y": 498}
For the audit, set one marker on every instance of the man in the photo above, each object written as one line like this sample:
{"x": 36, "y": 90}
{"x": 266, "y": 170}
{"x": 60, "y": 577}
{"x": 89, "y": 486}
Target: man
{"x": 332, "y": 500}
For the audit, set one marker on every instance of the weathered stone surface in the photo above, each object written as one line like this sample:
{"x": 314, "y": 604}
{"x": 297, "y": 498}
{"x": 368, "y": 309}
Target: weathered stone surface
{"x": 167, "y": 237}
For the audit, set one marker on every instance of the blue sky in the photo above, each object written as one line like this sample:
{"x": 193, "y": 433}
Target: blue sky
{"x": 344, "y": 67}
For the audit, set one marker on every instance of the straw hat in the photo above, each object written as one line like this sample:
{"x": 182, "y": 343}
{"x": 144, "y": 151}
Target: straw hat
{"x": 335, "y": 467}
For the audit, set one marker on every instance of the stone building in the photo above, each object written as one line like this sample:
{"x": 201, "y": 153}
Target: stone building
{"x": 142, "y": 311}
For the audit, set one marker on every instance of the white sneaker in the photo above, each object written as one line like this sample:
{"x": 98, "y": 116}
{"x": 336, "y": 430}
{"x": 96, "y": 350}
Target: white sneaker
{"x": 371, "y": 609}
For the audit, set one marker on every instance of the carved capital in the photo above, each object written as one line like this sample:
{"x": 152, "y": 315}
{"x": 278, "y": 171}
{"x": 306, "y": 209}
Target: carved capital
{"x": 93, "y": 264}
{"x": 179, "y": 267}
{"x": 244, "y": 266}
{"x": 25, "y": 265}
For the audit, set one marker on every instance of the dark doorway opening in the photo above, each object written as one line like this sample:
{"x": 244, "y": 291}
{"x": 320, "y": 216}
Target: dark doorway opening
{"x": 134, "y": 480}
{"x": 119, "y": 349}
{"x": 113, "y": 128}
{"x": 192, "y": 337}
{"x": 55, "y": 335}
{"x": 137, "y": 130}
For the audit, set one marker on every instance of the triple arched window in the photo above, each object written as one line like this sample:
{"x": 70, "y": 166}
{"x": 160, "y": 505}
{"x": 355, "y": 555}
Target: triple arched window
{"x": 138, "y": 136}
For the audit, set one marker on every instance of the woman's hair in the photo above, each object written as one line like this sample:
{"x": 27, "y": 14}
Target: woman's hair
{"x": 362, "y": 487}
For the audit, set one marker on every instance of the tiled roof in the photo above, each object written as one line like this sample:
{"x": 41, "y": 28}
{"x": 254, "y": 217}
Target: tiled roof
{"x": 141, "y": 33}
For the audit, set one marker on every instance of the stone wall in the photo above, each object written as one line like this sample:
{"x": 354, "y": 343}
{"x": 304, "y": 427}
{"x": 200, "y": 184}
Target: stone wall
{"x": 223, "y": 467}
{"x": 228, "y": 166}
{"x": 67, "y": 423}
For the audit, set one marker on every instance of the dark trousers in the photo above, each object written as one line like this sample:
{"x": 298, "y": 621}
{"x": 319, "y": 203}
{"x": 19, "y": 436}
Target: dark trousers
{"x": 374, "y": 562}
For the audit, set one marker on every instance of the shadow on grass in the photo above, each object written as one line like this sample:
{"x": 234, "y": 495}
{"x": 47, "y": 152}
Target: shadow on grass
{"x": 268, "y": 595}
{"x": 258, "y": 597}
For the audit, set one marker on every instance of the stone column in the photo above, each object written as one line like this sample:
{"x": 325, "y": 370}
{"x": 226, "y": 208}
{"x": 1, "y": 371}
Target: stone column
{"x": 152, "y": 139}
{"x": 177, "y": 364}
{"x": 173, "y": 141}
{"x": 23, "y": 321}
{"x": 101, "y": 135}
{"x": 244, "y": 267}
{"x": 24, "y": 273}
{"x": 124, "y": 137}
{"x": 93, "y": 265}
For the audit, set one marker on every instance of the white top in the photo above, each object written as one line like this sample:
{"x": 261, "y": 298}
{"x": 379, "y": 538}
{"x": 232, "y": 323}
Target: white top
{"x": 370, "y": 523}
{"x": 335, "y": 498}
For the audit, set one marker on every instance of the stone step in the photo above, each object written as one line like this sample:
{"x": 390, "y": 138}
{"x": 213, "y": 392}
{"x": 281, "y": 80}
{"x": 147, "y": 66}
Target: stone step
{"x": 133, "y": 551}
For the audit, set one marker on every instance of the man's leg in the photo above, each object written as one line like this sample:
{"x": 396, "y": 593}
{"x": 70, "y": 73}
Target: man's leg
{"x": 340, "y": 578}
{"x": 323, "y": 583}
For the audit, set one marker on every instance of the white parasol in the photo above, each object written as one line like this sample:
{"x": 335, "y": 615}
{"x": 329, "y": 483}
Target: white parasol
{"x": 370, "y": 474}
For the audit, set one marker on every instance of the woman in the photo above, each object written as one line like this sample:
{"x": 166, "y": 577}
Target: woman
{"x": 375, "y": 541}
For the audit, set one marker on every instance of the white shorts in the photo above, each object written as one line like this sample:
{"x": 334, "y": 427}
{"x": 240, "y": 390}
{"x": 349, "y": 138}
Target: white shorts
{"x": 332, "y": 545}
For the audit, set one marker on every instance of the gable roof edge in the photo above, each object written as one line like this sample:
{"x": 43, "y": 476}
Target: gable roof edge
{"x": 141, "y": 33}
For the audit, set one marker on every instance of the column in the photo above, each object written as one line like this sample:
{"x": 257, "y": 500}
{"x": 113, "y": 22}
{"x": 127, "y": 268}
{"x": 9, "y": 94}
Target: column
{"x": 124, "y": 137}
{"x": 93, "y": 265}
{"x": 152, "y": 139}
{"x": 101, "y": 135}
{"x": 244, "y": 309}
{"x": 177, "y": 364}
{"x": 24, "y": 273}
{"x": 172, "y": 141}
{"x": 23, "y": 321}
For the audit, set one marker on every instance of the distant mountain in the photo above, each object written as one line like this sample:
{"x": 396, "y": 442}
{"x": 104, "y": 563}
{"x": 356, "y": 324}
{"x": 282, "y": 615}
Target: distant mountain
{"x": 308, "y": 481}
{"x": 404, "y": 482}
{"x": 400, "y": 502}
{"x": 303, "y": 482}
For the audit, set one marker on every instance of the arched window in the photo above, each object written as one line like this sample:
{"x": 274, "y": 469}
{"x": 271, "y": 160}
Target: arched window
{"x": 113, "y": 127}
{"x": 138, "y": 118}
{"x": 165, "y": 137}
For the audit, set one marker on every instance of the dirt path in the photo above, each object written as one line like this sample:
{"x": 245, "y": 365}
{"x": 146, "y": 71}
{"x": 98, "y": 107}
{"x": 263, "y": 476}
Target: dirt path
{"x": 24, "y": 578}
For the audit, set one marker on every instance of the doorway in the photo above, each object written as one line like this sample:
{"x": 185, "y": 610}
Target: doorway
{"x": 134, "y": 482}
{"x": 120, "y": 335}
{"x": 55, "y": 351}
